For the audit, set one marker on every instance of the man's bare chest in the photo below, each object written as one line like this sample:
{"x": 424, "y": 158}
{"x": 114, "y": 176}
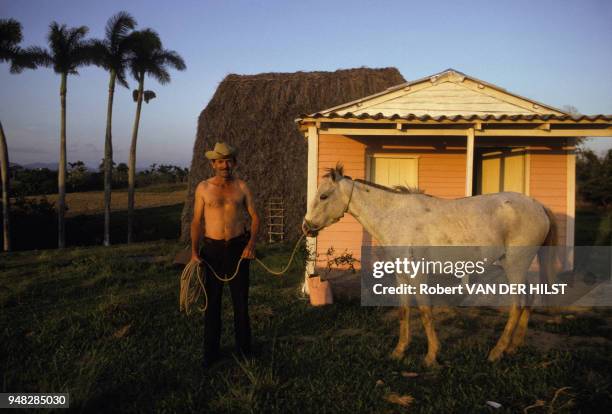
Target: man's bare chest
{"x": 217, "y": 197}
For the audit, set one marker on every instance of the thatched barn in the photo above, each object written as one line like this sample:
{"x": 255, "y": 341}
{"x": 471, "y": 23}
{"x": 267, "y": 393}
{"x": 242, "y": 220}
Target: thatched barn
{"x": 256, "y": 114}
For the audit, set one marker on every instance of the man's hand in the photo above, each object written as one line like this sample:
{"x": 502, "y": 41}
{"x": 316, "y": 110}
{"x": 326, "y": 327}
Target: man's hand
{"x": 195, "y": 257}
{"x": 249, "y": 251}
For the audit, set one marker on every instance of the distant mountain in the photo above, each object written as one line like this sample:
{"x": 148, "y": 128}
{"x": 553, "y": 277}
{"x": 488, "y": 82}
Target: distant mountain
{"x": 53, "y": 166}
{"x": 32, "y": 166}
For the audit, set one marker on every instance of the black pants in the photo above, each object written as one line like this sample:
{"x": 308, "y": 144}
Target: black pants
{"x": 223, "y": 256}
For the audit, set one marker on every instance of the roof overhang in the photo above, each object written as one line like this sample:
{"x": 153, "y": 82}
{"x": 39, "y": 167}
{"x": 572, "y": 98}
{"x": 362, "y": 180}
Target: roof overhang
{"x": 487, "y": 125}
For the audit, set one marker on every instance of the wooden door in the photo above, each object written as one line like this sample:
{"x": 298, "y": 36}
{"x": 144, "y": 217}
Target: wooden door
{"x": 501, "y": 170}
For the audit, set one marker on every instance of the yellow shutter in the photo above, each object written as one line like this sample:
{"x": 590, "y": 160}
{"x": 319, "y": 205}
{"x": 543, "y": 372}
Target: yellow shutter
{"x": 501, "y": 170}
{"x": 391, "y": 171}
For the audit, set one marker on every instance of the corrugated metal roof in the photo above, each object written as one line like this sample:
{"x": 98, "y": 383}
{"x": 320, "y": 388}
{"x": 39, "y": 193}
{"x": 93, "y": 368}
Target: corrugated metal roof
{"x": 456, "y": 118}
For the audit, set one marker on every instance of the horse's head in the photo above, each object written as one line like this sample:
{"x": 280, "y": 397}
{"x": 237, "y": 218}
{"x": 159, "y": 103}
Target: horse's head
{"x": 330, "y": 202}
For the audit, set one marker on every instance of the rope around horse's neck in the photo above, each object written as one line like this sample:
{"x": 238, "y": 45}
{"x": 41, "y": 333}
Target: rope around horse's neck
{"x": 190, "y": 293}
{"x": 350, "y": 197}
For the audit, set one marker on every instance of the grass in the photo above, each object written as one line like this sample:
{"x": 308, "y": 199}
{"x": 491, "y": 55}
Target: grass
{"x": 103, "y": 324}
{"x": 157, "y": 216}
{"x": 150, "y": 224}
{"x": 92, "y": 202}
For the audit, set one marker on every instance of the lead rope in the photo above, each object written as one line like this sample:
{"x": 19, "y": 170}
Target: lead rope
{"x": 190, "y": 291}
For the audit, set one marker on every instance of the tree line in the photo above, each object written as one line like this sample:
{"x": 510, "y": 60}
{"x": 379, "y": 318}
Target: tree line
{"x": 122, "y": 50}
{"x": 594, "y": 178}
{"x": 39, "y": 181}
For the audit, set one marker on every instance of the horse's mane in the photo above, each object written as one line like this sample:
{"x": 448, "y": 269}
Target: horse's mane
{"x": 338, "y": 172}
{"x": 402, "y": 189}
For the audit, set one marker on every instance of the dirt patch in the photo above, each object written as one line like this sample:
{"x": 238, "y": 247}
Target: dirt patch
{"x": 349, "y": 332}
{"x": 545, "y": 341}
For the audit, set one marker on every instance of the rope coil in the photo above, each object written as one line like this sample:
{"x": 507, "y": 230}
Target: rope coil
{"x": 192, "y": 285}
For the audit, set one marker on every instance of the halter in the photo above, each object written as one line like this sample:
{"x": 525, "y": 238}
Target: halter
{"x": 345, "y": 209}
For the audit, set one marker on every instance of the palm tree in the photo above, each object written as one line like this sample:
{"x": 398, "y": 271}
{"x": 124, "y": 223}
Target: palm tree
{"x": 111, "y": 54}
{"x": 10, "y": 37}
{"x": 148, "y": 57}
{"x": 69, "y": 51}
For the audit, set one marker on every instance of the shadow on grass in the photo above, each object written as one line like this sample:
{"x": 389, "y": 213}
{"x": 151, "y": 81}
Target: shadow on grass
{"x": 86, "y": 230}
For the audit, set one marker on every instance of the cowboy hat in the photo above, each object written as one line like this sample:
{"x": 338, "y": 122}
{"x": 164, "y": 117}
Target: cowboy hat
{"x": 221, "y": 150}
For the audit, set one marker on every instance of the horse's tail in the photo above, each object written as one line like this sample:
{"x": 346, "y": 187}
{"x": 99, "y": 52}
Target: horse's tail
{"x": 546, "y": 254}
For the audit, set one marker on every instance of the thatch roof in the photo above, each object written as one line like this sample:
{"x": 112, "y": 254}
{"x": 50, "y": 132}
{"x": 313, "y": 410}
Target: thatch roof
{"x": 256, "y": 114}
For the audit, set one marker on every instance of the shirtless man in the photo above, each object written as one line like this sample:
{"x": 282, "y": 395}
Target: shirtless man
{"x": 222, "y": 201}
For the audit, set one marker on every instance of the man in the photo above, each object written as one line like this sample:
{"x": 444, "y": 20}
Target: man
{"x": 221, "y": 201}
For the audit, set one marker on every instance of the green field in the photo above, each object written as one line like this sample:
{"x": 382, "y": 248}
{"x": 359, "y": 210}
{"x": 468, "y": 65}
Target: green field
{"x": 150, "y": 224}
{"x": 103, "y": 324}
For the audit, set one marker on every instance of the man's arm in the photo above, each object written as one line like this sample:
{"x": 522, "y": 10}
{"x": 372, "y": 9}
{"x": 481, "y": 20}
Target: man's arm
{"x": 196, "y": 222}
{"x": 249, "y": 250}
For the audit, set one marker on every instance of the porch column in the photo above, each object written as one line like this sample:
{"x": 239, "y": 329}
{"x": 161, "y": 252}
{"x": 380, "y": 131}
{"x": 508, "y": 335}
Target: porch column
{"x": 469, "y": 162}
{"x": 313, "y": 174}
{"x": 570, "y": 210}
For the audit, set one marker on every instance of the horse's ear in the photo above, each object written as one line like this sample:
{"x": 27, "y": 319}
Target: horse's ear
{"x": 338, "y": 172}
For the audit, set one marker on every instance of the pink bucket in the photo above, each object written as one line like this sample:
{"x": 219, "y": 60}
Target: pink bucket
{"x": 320, "y": 291}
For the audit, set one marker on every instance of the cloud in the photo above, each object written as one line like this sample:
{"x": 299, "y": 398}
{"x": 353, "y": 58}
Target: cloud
{"x": 81, "y": 147}
{"x": 29, "y": 150}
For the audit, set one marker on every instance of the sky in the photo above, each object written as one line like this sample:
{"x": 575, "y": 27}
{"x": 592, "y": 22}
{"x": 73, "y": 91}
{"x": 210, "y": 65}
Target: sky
{"x": 555, "y": 52}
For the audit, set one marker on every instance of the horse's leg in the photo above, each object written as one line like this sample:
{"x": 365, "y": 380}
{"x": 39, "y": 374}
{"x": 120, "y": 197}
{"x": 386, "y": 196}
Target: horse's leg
{"x": 515, "y": 263}
{"x": 433, "y": 345}
{"x": 404, "y": 332}
{"x": 519, "y": 333}
{"x": 504, "y": 339}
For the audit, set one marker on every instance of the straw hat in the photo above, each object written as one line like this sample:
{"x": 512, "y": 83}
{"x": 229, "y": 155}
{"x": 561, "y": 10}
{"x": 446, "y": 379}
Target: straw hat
{"x": 221, "y": 151}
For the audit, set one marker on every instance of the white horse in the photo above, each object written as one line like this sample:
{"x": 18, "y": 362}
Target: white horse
{"x": 401, "y": 218}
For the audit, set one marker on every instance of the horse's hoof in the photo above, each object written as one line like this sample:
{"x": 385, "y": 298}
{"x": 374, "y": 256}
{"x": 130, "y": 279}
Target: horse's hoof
{"x": 511, "y": 350}
{"x": 397, "y": 355}
{"x": 430, "y": 362}
{"x": 495, "y": 355}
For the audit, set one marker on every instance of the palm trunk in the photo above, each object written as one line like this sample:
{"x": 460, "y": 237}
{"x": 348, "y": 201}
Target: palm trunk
{"x": 108, "y": 158}
{"x": 132, "y": 161}
{"x": 61, "y": 176}
{"x": 6, "y": 206}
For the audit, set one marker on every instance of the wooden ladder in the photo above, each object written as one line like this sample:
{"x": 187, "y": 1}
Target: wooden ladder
{"x": 276, "y": 220}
